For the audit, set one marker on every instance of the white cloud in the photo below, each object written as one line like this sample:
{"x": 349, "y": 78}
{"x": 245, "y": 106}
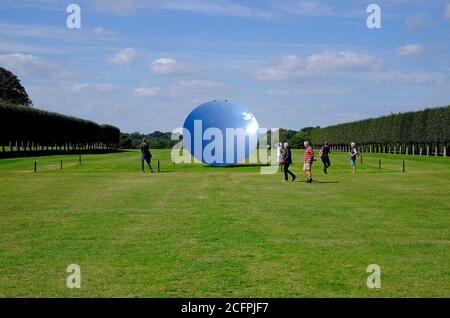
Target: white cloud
{"x": 415, "y": 22}
{"x": 101, "y": 31}
{"x": 124, "y": 57}
{"x": 288, "y": 67}
{"x": 95, "y": 87}
{"x": 12, "y": 46}
{"x": 34, "y": 4}
{"x": 206, "y": 7}
{"x": 329, "y": 90}
{"x": 196, "y": 86}
{"x": 447, "y": 12}
{"x": 316, "y": 65}
{"x": 277, "y": 93}
{"x": 415, "y": 78}
{"x": 218, "y": 7}
{"x": 32, "y": 31}
{"x": 148, "y": 91}
{"x": 130, "y": 7}
{"x": 343, "y": 61}
{"x": 168, "y": 66}
{"x": 305, "y": 8}
{"x": 119, "y": 7}
{"x": 411, "y": 49}
{"x": 27, "y": 64}
{"x": 316, "y": 8}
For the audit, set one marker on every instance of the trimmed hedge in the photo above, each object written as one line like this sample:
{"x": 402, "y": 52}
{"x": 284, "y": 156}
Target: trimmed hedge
{"x": 414, "y": 129}
{"x": 109, "y": 135}
{"x": 30, "y": 127}
{"x": 429, "y": 125}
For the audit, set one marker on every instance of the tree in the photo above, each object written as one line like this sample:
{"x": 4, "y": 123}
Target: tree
{"x": 286, "y": 134}
{"x": 296, "y": 141}
{"x": 11, "y": 90}
{"x": 308, "y": 130}
{"x": 109, "y": 135}
{"x": 125, "y": 141}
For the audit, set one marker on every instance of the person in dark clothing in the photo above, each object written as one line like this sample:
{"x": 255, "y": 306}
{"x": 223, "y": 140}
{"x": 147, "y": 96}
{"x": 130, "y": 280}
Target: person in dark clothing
{"x": 146, "y": 156}
{"x": 324, "y": 155}
{"x": 287, "y": 160}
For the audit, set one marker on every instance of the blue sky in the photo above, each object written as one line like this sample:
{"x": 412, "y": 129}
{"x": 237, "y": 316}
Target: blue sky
{"x": 144, "y": 65}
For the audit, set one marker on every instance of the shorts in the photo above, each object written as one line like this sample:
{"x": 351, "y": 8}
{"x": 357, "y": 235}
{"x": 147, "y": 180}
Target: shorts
{"x": 353, "y": 162}
{"x": 307, "y": 166}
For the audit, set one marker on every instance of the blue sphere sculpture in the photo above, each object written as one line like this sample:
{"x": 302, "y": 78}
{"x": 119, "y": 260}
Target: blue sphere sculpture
{"x": 220, "y": 133}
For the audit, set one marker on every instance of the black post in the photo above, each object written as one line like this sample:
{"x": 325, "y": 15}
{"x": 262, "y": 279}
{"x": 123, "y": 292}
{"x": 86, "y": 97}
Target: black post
{"x": 379, "y": 163}
{"x": 159, "y": 168}
{"x": 61, "y": 164}
{"x": 35, "y": 167}
{"x": 79, "y": 160}
{"x": 403, "y": 165}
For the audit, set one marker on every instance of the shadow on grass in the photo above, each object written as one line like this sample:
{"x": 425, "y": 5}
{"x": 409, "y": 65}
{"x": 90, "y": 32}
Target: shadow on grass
{"x": 321, "y": 182}
{"x": 243, "y": 165}
{"x": 43, "y": 153}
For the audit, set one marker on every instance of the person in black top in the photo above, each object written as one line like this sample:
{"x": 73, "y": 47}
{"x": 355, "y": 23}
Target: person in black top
{"x": 324, "y": 155}
{"x": 287, "y": 160}
{"x": 146, "y": 156}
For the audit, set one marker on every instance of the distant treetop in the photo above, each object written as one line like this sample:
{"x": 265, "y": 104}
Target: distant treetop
{"x": 11, "y": 90}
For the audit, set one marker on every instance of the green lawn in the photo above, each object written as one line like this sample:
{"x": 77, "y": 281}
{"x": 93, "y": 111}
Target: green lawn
{"x": 195, "y": 231}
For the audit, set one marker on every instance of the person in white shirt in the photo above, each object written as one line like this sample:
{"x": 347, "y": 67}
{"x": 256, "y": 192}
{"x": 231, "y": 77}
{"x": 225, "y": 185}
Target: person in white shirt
{"x": 279, "y": 147}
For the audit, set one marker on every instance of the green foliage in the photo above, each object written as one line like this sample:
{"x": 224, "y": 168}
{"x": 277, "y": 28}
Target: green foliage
{"x": 11, "y": 90}
{"x": 286, "y": 134}
{"x": 156, "y": 140}
{"x": 308, "y": 130}
{"x": 26, "y": 124}
{"x": 109, "y": 135}
{"x": 125, "y": 141}
{"x": 296, "y": 141}
{"x": 426, "y": 126}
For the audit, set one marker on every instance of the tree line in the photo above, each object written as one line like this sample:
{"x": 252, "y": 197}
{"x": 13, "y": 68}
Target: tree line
{"x": 422, "y": 132}
{"x": 162, "y": 140}
{"x": 28, "y": 128}
{"x": 24, "y": 128}
{"x": 156, "y": 140}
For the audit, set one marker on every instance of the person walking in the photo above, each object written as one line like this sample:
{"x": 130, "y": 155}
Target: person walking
{"x": 146, "y": 156}
{"x": 308, "y": 159}
{"x": 324, "y": 155}
{"x": 279, "y": 147}
{"x": 287, "y": 160}
{"x": 353, "y": 155}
